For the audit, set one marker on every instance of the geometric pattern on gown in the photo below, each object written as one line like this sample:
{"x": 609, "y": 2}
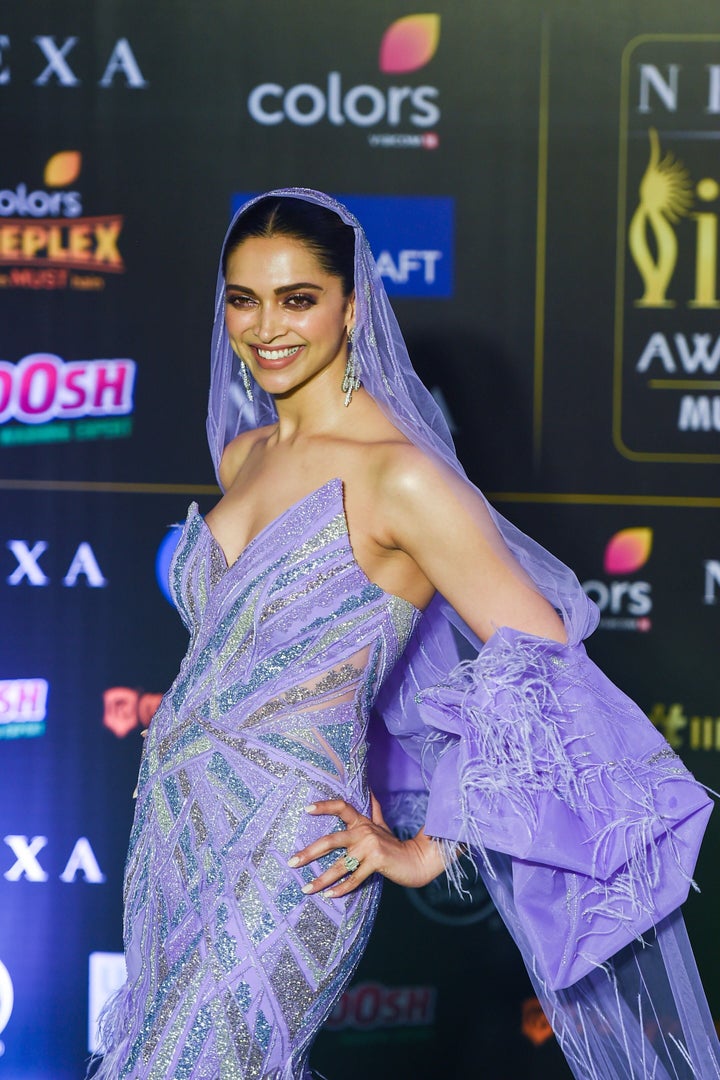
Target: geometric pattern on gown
{"x": 231, "y": 968}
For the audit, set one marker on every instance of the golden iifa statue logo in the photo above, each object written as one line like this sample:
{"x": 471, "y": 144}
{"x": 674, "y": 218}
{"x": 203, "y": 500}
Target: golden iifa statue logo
{"x": 667, "y": 196}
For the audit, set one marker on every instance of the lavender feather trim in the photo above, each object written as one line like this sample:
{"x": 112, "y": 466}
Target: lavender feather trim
{"x": 115, "y": 1020}
{"x": 535, "y": 753}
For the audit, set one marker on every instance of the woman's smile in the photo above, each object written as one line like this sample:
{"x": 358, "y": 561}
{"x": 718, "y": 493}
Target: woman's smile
{"x": 286, "y": 317}
{"x": 275, "y": 358}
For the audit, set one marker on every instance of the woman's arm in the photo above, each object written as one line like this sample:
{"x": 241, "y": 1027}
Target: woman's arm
{"x": 436, "y": 519}
{"x": 444, "y": 526}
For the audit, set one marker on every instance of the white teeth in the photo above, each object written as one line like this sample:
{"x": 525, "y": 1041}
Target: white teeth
{"x": 277, "y": 354}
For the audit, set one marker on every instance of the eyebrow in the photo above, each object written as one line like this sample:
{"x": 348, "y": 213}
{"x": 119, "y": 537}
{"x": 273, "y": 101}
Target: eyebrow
{"x": 279, "y": 291}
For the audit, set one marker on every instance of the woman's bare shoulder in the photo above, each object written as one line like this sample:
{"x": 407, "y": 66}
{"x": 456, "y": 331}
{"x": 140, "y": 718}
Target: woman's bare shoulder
{"x": 237, "y": 452}
{"x": 404, "y": 471}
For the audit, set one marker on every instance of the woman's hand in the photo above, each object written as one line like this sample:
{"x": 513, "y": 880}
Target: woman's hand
{"x": 412, "y": 862}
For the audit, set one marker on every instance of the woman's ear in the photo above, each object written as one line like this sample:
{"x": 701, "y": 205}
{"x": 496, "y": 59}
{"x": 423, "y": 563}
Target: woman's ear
{"x": 350, "y": 324}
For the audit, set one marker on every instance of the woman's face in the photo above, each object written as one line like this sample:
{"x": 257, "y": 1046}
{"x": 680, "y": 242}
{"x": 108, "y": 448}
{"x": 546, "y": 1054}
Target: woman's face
{"x": 285, "y": 316}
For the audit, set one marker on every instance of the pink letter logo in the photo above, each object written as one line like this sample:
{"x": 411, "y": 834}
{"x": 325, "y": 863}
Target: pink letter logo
{"x": 409, "y": 43}
{"x": 628, "y": 550}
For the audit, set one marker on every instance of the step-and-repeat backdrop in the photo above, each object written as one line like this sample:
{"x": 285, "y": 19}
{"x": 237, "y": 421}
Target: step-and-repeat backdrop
{"x": 541, "y": 186}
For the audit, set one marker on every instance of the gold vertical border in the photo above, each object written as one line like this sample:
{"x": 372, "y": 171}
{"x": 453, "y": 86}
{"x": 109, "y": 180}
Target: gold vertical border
{"x": 617, "y": 403}
{"x": 541, "y": 240}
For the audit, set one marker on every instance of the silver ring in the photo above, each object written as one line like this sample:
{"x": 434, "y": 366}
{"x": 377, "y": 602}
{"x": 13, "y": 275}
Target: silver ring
{"x": 351, "y": 863}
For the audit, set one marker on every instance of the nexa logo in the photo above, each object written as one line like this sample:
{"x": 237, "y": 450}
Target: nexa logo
{"x": 56, "y": 59}
{"x": 27, "y": 554}
{"x": 407, "y": 45}
{"x": 26, "y": 865}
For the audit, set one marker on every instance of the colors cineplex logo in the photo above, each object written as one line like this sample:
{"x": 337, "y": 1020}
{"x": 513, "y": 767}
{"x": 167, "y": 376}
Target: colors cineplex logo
{"x": 407, "y": 45}
{"x": 624, "y": 605}
{"x": 41, "y": 388}
{"x": 44, "y": 241}
{"x": 23, "y": 708}
{"x": 7, "y": 998}
{"x": 412, "y": 239}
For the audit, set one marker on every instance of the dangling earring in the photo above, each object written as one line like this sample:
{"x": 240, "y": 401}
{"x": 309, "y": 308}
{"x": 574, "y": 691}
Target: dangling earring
{"x": 351, "y": 379}
{"x": 245, "y": 376}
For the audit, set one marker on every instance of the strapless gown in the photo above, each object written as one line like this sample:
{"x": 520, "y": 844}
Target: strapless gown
{"x": 231, "y": 968}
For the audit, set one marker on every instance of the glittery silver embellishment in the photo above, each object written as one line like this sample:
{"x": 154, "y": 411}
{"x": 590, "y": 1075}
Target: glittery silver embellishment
{"x": 237, "y": 967}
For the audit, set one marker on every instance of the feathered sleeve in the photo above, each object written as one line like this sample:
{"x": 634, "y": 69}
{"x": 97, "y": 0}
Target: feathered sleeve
{"x": 531, "y": 751}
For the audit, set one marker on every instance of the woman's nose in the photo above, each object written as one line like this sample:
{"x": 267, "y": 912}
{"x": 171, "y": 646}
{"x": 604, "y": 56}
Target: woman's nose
{"x": 270, "y": 323}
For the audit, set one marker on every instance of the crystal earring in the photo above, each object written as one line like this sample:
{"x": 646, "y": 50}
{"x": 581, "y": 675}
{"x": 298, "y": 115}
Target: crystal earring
{"x": 245, "y": 376}
{"x": 351, "y": 379}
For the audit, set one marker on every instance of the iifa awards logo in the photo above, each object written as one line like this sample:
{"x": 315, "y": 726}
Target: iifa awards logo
{"x": 46, "y": 242}
{"x": 666, "y": 400}
{"x": 407, "y": 45}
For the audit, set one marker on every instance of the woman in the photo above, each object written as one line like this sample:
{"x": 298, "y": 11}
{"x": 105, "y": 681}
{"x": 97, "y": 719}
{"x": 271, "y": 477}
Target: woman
{"x": 318, "y": 594}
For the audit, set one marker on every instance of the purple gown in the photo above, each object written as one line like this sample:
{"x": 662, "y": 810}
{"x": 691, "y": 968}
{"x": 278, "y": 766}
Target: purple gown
{"x": 231, "y": 968}
{"x": 582, "y": 821}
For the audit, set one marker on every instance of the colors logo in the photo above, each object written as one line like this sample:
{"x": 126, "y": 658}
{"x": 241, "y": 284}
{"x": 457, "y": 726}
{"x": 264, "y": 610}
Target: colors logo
{"x": 41, "y": 387}
{"x": 624, "y": 605}
{"x": 412, "y": 239}
{"x": 23, "y": 708}
{"x": 407, "y": 45}
{"x": 46, "y": 243}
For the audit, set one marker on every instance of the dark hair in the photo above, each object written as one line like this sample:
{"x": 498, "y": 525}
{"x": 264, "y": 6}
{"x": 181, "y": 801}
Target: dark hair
{"x": 331, "y": 241}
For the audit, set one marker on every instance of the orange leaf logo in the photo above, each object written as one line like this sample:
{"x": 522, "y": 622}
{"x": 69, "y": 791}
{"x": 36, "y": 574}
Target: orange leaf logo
{"x": 63, "y": 168}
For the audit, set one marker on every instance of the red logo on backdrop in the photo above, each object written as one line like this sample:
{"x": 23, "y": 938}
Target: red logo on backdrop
{"x": 535, "y": 1026}
{"x": 372, "y": 1005}
{"x": 127, "y": 709}
{"x": 46, "y": 243}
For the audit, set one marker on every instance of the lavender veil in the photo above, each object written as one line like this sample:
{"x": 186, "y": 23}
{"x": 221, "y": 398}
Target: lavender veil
{"x": 642, "y": 1013}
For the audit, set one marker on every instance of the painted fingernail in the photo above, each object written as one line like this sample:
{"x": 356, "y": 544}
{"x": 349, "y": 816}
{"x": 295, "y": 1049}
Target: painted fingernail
{"x": 307, "y": 889}
{"x": 310, "y": 808}
{"x": 329, "y": 892}
{"x": 294, "y": 861}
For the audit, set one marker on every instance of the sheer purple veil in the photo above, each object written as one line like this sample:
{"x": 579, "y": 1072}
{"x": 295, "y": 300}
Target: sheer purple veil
{"x": 601, "y": 1021}
{"x": 387, "y": 374}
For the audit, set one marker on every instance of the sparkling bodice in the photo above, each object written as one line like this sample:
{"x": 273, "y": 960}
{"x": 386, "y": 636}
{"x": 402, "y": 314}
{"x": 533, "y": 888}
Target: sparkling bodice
{"x": 288, "y": 649}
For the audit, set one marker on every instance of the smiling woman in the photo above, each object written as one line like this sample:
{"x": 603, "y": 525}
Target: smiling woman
{"x": 319, "y": 595}
{"x": 291, "y": 317}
